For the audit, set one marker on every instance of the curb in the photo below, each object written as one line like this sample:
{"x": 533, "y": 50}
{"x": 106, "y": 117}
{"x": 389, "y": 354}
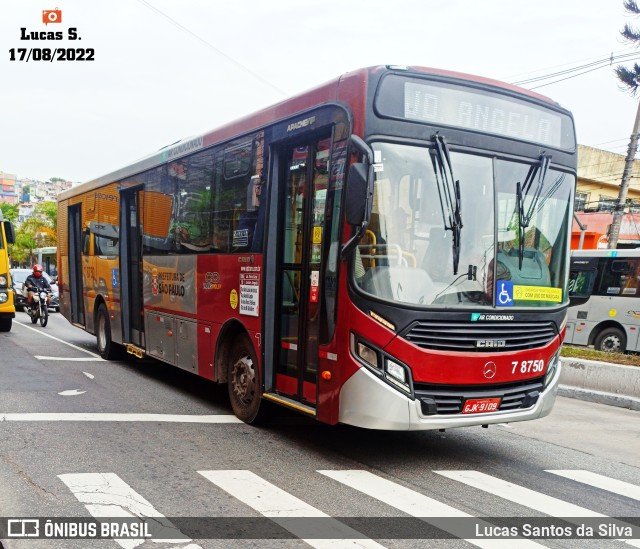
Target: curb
{"x": 602, "y": 382}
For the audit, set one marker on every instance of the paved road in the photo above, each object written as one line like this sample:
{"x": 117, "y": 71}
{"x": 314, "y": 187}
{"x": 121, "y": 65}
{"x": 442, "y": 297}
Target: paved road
{"x": 166, "y": 445}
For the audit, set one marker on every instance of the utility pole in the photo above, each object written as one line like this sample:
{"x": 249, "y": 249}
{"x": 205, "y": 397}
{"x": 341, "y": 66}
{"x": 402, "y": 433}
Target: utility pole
{"x": 614, "y": 230}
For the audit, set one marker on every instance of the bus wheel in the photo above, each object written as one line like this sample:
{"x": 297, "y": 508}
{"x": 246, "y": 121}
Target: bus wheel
{"x": 611, "y": 340}
{"x": 243, "y": 378}
{"x": 106, "y": 347}
{"x": 5, "y": 324}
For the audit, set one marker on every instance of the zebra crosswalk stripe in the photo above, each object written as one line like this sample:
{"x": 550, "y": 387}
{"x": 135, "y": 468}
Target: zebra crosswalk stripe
{"x": 107, "y": 495}
{"x": 415, "y": 504}
{"x": 600, "y": 481}
{"x": 273, "y": 502}
{"x": 524, "y": 496}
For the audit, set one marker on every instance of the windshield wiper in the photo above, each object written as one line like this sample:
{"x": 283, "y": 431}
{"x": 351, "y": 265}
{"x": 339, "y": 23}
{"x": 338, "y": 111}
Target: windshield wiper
{"x": 449, "y": 194}
{"x": 522, "y": 191}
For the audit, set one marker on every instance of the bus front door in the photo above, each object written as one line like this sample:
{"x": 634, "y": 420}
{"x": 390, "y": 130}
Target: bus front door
{"x": 300, "y": 259}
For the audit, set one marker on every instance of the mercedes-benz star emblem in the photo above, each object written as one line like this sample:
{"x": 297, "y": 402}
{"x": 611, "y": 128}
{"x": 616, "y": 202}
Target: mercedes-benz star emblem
{"x": 489, "y": 370}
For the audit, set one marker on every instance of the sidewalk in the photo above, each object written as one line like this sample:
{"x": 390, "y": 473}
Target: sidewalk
{"x": 602, "y": 382}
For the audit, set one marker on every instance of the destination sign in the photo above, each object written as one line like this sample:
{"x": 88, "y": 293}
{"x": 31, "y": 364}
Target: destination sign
{"x": 473, "y": 109}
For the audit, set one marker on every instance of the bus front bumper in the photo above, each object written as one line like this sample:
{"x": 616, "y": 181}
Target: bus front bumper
{"x": 366, "y": 401}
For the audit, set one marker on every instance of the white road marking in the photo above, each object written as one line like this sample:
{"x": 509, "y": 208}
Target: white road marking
{"x": 65, "y": 359}
{"x": 270, "y": 501}
{"x": 90, "y": 376}
{"x": 161, "y": 418}
{"x": 57, "y": 339}
{"x": 72, "y": 392}
{"x": 600, "y": 481}
{"x": 527, "y": 498}
{"x": 107, "y": 495}
{"x": 417, "y": 505}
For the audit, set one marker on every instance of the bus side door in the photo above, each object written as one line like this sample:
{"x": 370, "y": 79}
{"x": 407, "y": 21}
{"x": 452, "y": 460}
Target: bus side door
{"x": 302, "y": 211}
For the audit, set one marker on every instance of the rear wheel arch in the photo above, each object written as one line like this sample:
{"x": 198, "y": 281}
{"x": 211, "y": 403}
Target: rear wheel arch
{"x": 229, "y": 332}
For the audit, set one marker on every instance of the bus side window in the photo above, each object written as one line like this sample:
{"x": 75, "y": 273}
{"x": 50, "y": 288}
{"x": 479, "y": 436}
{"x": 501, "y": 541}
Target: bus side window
{"x": 581, "y": 283}
{"x": 191, "y": 219}
{"x": 230, "y": 199}
{"x": 237, "y": 204}
{"x": 618, "y": 277}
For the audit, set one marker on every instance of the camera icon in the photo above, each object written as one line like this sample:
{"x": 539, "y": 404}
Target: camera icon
{"x": 51, "y": 16}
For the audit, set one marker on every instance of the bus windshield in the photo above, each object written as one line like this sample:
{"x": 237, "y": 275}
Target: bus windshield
{"x": 409, "y": 253}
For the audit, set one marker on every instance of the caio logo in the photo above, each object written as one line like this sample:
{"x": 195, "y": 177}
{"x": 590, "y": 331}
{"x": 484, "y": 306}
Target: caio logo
{"x": 51, "y": 16}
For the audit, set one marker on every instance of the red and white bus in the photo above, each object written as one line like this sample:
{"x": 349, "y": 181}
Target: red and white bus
{"x": 389, "y": 250}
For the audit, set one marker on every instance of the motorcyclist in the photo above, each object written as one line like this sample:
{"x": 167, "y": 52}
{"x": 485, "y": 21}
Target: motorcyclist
{"x": 36, "y": 282}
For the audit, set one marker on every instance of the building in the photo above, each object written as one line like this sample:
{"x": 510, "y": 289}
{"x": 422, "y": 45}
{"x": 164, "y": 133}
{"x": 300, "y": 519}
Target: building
{"x": 598, "y": 186}
{"x": 8, "y": 194}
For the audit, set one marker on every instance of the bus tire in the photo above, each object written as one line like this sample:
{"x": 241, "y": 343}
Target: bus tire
{"x": 244, "y": 382}
{"x": 5, "y": 324}
{"x": 611, "y": 340}
{"x": 106, "y": 347}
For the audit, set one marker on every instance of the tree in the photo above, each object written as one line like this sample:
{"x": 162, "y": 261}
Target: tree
{"x": 630, "y": 80}
{"x": 629, "y": 77}
{"x": 38, "y": 231}
{"x": 9, "y": 212}
{"x": 48, "y": 211}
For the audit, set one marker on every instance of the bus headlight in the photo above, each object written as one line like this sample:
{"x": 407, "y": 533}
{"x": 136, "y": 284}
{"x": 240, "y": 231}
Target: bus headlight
{"x": 3, "y": 281}
{"x": 382, "y": 365}
{"x": 397, "y": 374}
{"x": 3, "y": 297}
{"x": 552, "y": 367}
{"x": 368, "y": 355}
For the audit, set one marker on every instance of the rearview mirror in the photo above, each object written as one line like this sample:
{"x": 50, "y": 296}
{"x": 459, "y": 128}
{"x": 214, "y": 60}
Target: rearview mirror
{"x": 8, "y": 231}
{"x": 356, "y": 198}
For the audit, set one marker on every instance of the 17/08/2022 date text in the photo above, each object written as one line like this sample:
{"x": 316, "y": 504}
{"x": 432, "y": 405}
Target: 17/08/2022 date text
{"x": 49, "y": 54}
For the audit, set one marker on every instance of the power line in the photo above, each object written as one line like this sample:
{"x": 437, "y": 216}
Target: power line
{"x": 604, "y": 62}
{"x": 214, "y": 48}
{"x": 613, "y": 141}
{"x": 562, "y": 65}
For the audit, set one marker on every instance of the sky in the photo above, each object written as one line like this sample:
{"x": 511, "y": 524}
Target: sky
{"x": 164, "y": 70}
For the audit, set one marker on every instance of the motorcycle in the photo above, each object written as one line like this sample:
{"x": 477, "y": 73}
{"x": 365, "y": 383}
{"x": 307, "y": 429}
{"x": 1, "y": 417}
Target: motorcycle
{"x": 38, "y": 308}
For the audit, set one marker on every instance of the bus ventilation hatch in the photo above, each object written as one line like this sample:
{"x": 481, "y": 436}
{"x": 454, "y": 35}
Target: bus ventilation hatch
{"x": 480, "y": 338}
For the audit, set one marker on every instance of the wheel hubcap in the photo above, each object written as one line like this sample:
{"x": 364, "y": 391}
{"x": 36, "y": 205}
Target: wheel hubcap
{"x": 243, "y": 380}
{"x": 611, "y": 343}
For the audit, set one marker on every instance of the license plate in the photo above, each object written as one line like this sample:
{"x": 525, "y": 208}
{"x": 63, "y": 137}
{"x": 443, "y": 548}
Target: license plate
{"x": 481, "y": 405}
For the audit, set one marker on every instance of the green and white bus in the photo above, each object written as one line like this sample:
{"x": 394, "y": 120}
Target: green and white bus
{"x": 604, "y": 288}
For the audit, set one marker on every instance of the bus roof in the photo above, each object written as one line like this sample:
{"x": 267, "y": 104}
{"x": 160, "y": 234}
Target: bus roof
{"x": 354, "y": 83}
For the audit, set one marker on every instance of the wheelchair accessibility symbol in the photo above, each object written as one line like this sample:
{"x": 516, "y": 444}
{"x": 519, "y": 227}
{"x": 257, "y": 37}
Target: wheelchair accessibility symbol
{"x": 504, "y": 293}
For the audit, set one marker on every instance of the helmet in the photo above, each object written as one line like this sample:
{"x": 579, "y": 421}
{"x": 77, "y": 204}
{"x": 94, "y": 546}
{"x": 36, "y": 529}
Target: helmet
{"x": 37, "y": 271}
